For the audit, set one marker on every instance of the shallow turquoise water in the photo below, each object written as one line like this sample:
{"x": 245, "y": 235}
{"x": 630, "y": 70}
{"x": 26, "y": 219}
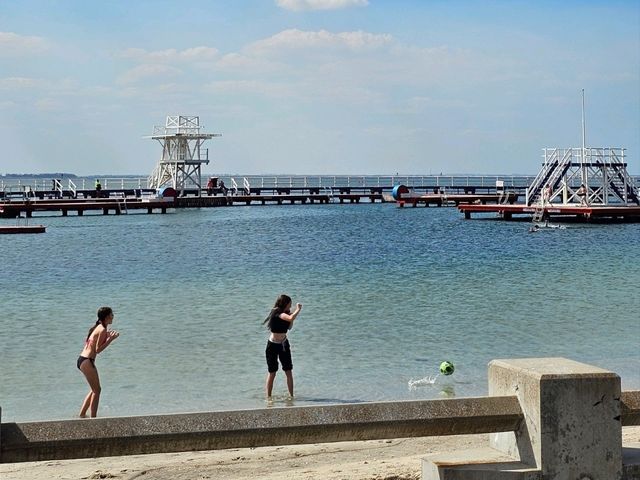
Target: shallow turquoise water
{"x": 388, "y": 294}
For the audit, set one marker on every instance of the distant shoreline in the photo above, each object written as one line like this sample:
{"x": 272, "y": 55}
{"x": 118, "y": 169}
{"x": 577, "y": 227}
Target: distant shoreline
{"x": 39, "y": 175}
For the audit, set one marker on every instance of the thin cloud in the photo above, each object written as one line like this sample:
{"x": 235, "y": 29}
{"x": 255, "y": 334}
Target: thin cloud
{"x": 170, "y": 55}
{"x": 254, "y": 87}
{"x": 298, "y": 39}
{"x": 142, "y": 72}
{"x": 48, "y": 105}
{"x": 300, "y": 5}
{"x": 19, "y": 83}
{"x": 244, "y": 63}
{"x": 12, "y": 44}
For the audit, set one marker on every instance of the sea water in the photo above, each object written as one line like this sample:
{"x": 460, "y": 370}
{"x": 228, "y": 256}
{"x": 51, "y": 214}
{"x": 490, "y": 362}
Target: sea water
{"x": 388, "y": 294}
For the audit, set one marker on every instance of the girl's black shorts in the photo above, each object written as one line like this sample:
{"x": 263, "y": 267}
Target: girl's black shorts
{"x": 280, "y": 351}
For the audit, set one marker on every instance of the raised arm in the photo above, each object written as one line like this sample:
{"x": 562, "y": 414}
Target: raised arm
{"x": 291, "y": 317}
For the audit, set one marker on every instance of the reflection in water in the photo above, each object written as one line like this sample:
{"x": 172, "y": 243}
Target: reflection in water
{"x": 447, "y": 391}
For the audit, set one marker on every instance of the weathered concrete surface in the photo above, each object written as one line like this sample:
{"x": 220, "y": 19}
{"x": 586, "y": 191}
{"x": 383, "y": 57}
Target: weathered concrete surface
{"x": 631, "y": 461}
{"x": 252, "y": 428}
{"x": 572, "y": 427}
{"x": 630, "y": 408}
{"x": 478, "y": 464}
{"x": 572, "y": 412}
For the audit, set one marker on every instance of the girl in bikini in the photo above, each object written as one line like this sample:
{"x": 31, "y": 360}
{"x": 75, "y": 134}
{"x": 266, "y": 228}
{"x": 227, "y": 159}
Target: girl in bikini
{"x": 279, "y": 322}
{"x": 97, "y": 340}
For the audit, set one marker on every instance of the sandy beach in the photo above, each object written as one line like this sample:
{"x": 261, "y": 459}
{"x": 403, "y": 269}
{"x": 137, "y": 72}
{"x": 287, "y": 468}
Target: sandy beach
{"x": 398, "y": 459}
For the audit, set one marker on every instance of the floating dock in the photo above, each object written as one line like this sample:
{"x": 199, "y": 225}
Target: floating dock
{"x": 440, "y": 199}
{"x": 11, "y": 229}
{"x": 575, "y": 212}
{"x": 15, "y": 209}
{"x": 403, "y": 195}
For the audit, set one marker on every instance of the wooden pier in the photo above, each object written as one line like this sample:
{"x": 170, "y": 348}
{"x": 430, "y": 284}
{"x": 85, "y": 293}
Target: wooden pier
{"x": 440, "y": 199}
{"x": 121, "y": 205}
{"x": 302, "y": 198}
{"x": 573, "y": 212}
{"x": 118, "y": 203}
{"x": 15, "y": 209}
{"x": 17, "y": 229}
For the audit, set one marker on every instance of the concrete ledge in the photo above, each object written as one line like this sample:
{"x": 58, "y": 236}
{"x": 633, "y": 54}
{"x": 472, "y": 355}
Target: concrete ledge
{"x": 630, "y": 408}
{"x": 34, "y": 441}
{"x": 478, "y": 464}
{"x": 631, "y": 461}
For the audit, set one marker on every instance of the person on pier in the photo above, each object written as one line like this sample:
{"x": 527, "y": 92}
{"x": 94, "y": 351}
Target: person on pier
{"x": 211, "y": 184}
{"x": 546, "y": 194}
{"x": 98, "y": 339}
{"x": 582, "y": 194}
{"x": 223, "y": 188}
{"x": 279, "y": 322}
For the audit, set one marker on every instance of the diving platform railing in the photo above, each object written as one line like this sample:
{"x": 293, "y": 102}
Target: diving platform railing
{"x": 590, "y": 175}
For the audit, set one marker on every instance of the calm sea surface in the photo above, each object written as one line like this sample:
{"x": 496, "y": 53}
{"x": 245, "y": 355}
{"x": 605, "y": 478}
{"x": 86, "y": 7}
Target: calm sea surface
{"x": 388, "y": 294}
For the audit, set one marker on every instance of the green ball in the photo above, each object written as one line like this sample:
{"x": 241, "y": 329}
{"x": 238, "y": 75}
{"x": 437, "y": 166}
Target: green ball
{"x": 446, "y": 368}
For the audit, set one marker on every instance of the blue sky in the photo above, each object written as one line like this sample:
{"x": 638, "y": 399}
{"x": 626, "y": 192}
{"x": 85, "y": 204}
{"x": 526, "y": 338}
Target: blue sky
{"x": 317, "y": 86}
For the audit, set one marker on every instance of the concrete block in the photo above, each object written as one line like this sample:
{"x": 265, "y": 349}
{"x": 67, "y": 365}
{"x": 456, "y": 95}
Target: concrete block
{"x": 478, "y": 464}
{"x": 572, "y": 427}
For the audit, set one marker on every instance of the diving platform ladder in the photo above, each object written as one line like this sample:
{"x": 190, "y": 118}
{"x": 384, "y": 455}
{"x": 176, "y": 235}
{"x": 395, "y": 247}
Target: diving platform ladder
{"x": 556, "y": 163}
{"x": 121, "y": 201}
{"x": 329, "y": 193}
{"x": 538, "y": 213}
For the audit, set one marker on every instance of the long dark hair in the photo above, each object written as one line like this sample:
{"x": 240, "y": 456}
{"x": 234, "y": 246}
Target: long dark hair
{"x": 282, "y": 302}
{"x": 103, "y": 313}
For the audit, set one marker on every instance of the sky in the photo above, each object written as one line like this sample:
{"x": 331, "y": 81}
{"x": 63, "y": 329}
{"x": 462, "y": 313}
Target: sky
{"x": 332, "y": 87}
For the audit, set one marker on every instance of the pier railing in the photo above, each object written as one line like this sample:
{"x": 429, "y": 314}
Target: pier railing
{"x": 275, "y": 181}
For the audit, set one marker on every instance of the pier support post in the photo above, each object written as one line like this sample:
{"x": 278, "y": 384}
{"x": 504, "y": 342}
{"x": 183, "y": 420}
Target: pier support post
{"x": 571, "y": 430}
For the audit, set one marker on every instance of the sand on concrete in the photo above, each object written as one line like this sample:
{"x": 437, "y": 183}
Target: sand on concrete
{"x": 398, "y": 459}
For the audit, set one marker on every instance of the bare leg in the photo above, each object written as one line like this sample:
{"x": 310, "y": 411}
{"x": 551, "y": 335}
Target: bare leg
{"x": 91, "y": 374}
{"x": 289, "y": 374}
{"x": 271, "y": 376}
{"x": 85, "y": 404}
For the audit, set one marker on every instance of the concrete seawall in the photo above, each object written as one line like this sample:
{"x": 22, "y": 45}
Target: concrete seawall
{"x": 21, "y": 442}
{"x": 539, "y": 410}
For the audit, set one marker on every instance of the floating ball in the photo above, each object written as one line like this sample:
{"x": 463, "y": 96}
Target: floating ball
{"x": 446, "y": 368}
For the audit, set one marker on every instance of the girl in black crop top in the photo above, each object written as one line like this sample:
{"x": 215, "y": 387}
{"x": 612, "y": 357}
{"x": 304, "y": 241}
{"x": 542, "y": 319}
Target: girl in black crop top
{"x": 280, "y": 321}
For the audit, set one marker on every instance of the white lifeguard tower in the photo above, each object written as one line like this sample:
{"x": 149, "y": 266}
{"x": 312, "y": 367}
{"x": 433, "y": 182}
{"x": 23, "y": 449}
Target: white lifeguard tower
{"x": 584, "y": 176}
{"x": 182, "y": 154}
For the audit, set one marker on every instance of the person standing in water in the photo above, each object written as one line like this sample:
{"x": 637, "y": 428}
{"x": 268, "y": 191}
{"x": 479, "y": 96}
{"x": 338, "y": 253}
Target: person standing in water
{"x": 97, "y": 340}
{"x": 279, "y": 322}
